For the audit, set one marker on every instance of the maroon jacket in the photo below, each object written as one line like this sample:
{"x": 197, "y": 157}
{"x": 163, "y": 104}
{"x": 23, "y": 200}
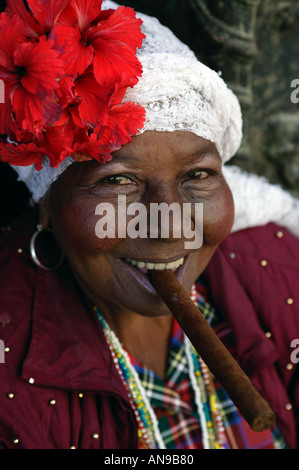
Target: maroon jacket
{"x": 58, "y": 385}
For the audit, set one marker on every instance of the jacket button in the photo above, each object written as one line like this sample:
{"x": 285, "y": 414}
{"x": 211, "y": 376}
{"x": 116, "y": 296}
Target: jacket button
{"x": 289, "y": 366}
{"x": 52, "y": 402}
{"x": 73, "y": 447}
{"x": 31, "y": 380}
{"x": 95, "y": 436}
{"x": 288, "y": 407}
{"x": 80, "y": 395}
{"x": 11, "y": 395}
{"x": 5, "y": 229}
{"x": 279, "y": 234}
{"x": 16, "y": 441}
{"x": 264, "y": 263}
{"x": 268, "y": 334}
{"x": 5, "y": 318}
{"x": 290, "y": 301}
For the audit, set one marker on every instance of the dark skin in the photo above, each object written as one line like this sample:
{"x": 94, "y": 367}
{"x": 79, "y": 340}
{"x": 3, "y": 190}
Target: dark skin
{"x": 155, "y": 167}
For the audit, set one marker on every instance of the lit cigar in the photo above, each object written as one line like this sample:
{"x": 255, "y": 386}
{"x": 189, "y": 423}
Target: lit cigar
{"x": 221, "y": 364}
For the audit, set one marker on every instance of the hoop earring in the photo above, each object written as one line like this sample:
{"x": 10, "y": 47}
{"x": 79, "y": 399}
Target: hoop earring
{"x": 33, "y": 253}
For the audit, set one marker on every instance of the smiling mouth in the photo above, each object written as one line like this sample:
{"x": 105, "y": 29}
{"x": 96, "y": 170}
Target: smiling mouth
{"x": 144, "y": 266}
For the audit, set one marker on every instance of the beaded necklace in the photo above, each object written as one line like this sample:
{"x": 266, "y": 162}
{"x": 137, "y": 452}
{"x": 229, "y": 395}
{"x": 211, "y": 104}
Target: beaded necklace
{"x": 149, "y": 435}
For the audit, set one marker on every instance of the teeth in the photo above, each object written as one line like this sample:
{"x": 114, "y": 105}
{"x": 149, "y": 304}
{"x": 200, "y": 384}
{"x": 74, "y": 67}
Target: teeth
{"x": 157, "y": 266}
{"x": 140, "y": 264}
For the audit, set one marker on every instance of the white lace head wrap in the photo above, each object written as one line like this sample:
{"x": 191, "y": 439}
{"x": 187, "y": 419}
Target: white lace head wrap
{"x": 178, "y": 93}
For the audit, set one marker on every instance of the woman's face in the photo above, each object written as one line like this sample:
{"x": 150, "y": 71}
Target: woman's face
{"x": 155, "y": 167}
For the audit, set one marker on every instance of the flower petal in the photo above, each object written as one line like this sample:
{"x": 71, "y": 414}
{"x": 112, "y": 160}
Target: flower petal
{"x": 56, "y": 140}
{"x": 85, "y": 11}
{"x": 52, "y": 111}
{"x": 122, "y": 25}
{"x": 75, "y": 55}
{"x": 115, "y": 62}
{"x": 12, "y": 34}
{"x": 41, "y": 64}
{"x": 15, "y": 7}
{"x": 23, "y": 154}
{"x": 93, "y": 107}
{"x": 127, "y": 119}
{"x": 28, "y": 110}
{"x": 118, "y": 95}
{"x": 87, "y": 148}
{"x": 47, "y": 11}
{"x": 66, "y": 91}
{"x": 7, "y": 122}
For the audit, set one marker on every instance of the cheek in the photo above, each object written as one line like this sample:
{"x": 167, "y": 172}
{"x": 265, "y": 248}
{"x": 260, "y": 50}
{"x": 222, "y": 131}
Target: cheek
{"x": 218, "y": 217}
{"x": 77, "y": 229}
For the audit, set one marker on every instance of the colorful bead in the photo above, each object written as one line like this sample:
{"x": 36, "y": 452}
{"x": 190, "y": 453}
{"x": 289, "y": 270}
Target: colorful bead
{"x": 148, "y": 431}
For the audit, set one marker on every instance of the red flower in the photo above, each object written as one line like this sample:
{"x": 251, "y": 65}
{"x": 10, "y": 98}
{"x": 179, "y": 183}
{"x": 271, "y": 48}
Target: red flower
{"x": 111, "y": 44}
{"x": 31, "y": 71}
{"x": 43, "y": 14}
{"x": 115, "y": 41}
{"x": 66, "y": 66}
{"x": 93, "y": 104}
{"x": 88, "y": 147}
{"x": 40, "y": 66}
{"x": 82, "y": 13}
{"x": 76, "y": 55}
{"x": 55, "y": 140}
{"x": 23, "y": 154}
{"x": 12, "y": 34}
{"x": 124, "y": 121}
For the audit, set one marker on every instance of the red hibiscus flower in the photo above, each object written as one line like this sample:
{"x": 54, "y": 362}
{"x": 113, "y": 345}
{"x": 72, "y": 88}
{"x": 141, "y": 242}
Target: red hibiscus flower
{"x": 31, "y": 71}
{"x": 110, "y": 42}
{"x": 66, "y": 66}
{"x": 89, "y": 146}
{"x": 41, "y": 17}
{"x": 124, "y": 121}
{"x": 93, "y": 100}
{"x": 23, "y": 154}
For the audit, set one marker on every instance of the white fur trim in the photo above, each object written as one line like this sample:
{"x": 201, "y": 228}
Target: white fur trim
{"x": 257, "y": 202}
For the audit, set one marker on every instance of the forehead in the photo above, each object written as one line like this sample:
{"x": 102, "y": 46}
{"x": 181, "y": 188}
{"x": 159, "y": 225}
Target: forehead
{"x": 181, "y": 144}
{"x": 149, "y": 152}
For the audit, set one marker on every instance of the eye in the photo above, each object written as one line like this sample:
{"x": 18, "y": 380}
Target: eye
{"x": 118, "y": 180}
{"x": 199, "y": 174}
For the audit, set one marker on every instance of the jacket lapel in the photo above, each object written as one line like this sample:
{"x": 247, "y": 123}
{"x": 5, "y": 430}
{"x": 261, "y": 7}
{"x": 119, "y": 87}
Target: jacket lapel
{"x": 68, "y": 348}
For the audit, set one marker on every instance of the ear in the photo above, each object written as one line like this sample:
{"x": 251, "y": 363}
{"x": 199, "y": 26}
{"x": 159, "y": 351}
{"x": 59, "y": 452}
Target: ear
{"x": 44, "y": 214}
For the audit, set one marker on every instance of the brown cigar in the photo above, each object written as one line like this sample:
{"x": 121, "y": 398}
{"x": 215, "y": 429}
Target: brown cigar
{"x": 221, "y": 364}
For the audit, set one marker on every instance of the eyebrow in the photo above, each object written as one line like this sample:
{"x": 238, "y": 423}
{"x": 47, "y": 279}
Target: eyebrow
{"x": 200, "y": 153}
{"x": 118, "y": 159}
{"x": 206, "y": 153}
{"x": 207, "y": 147}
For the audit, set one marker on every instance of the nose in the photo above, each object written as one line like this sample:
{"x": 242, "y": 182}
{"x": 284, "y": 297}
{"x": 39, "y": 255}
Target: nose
{"x": 164, "y": 205}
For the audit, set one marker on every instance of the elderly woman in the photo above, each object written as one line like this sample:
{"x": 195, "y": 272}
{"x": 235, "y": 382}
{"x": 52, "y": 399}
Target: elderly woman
{"x": 93, "y": 357}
